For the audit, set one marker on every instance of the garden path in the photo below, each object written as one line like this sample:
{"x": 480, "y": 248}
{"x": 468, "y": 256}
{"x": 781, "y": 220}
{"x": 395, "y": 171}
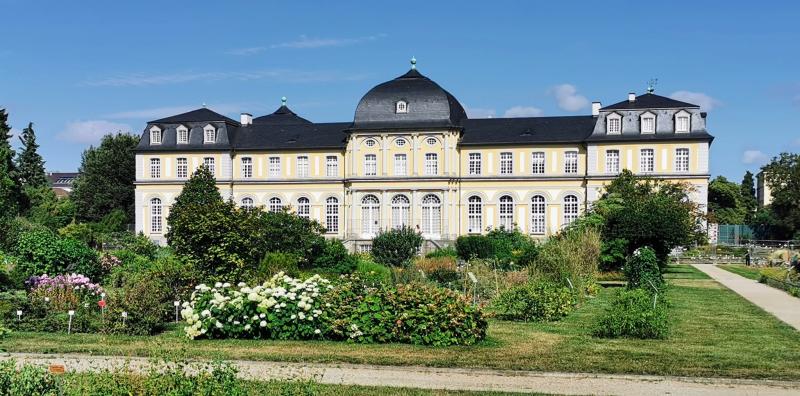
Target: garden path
{"x": 447, "y": 378}
{"x": 777, "y": 302}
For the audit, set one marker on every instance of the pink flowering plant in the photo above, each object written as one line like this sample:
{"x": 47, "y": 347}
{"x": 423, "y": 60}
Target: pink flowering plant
{"x": 64, "y": 292}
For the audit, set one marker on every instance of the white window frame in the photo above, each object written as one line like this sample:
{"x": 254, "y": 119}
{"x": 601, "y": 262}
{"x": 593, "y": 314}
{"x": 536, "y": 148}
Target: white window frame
{"x": 613, "y": 124}
{"x": 332, "y": 215}
{"x": 156, "y": 216}
{"x": 400, "y": 165}
{"x": 538, "y": 162}
{"x": 571, "y": 162}
{"x": 612, "y": 161}
{"x": 682, "y": 158}
{"x": 331, "y": 166}
{"x": 506, "y": 212}
{"x": 474, "y": 164}
{"x": 370, "y": 165}
{"x": 155, "y": 168}
{"x": 302, "y": 166}
{"x": 647, "y": 162}
{"x": 370, "y": 215}
{"x": 431, "y": 215}
{"x": 247, "y": 203}
{"x": 683, "y": 122}
{"x": 274, "y": 166}
{"x": 210, "y": 163}
{"x": 304, "y": 207}
{"x": 648, "y": 123}
{"x": 247, "y": 167}
{"x": 431, "y": 164}
{"x": 400, "y": 142}
{"x": 183, "y": 135}
{"x": 401, "y": 211}
{"x": 538, "y": 215}
{"x": 431, "y": 141}
{"x": 155, "y": 135}
{"x": 401, "y": 107}
{"x": 571, "y": 209}
{"x": 275, "y": 204}
{"x": 209, "y": 134}
{"x": 474, "y": 215}
{"x": 370, "y": 142}
{"x": 182, "y": 168}
{"x": 506, "y": 163}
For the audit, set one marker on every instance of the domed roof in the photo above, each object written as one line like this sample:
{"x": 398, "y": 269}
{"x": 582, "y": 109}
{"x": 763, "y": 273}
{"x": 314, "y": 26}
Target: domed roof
{"x": 427, "y": 103}
{"x": 282, "y": 116}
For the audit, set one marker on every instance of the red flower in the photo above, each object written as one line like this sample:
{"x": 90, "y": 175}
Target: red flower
{"x": 102, "y": 303}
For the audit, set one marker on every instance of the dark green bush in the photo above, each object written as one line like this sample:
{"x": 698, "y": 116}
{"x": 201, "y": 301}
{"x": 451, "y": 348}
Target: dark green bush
{"x": 447, "y": 251}
{"x": 612, "y": 254}
{"x": 273, "y": 263}
{"x": 507, "y": 245}
{"x": 371, "y": 272}
{"x": 442, "y": 270}
{"x": 537, "y": 301}
{"x": 642, "y": 270}
{"x": 148, "y": 302}
{"x": 471, "y": 247}
{"x": 396, "y": 247}
{"x": 42, "y": 252}
{"x": 334, "y": 258}
{"x": 632, "y": 315}
{"x": 30, "y": 380}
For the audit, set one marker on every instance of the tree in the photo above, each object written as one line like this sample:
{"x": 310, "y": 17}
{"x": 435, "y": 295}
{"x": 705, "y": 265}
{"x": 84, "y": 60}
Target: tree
{"x": 106, "y": 178}
{"x": 396, "y": 247}
{"x": 10, "y": 191}
{"x": 30, "y": 165}
{"x": 749, "y": 201}
{"x": 783, "y": 178}
{"x": 725, "y": 203}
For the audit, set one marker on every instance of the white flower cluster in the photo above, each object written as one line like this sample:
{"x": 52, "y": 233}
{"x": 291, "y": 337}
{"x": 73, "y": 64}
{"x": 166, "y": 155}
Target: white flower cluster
{"x": 249, "y": 312}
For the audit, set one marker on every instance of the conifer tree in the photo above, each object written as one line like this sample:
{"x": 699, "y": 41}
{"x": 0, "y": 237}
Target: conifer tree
{"x": 10, "y": 192}
{"x": 30, "y": 165}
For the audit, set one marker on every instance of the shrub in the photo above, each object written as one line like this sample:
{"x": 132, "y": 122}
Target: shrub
{"x": 447, "y": 251}
{"x": 471, "y": 247}
{"x": 29, "y": 380}
{"x": 148, "y": 304}
{"x": 442, "y": 270}
{"x": 273, "y": 263}
{"x": 538, "y": 301}
{"x": 64, "y": 292}
{"x": 527, "y": 256}
{"x": 641, "y": 269}
{"x": 632, "y": 315}
{"x": 372, "y": 272}
{"x": 612, "y": 254}
{"x": 571, "y": 255}
{"x": 396, "y": 247}
{"x": 335, "y": 258}
{"x": 42, "y": 252}
{"x": 507, "y": 244}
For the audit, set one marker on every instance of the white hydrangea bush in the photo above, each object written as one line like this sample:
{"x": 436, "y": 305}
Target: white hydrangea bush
{"x": 283, "y": 308}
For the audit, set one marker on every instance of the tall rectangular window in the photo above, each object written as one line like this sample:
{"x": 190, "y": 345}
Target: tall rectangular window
{"x": 614, "y": 125}
{"x": 537, "y": 163}
{"x": 332, "y": 215}
{"x": 648, "y": 125}
{"x": 370, "y": 165}
{"x": 431, "y": 164}
{"x": 474, "y": 163}
{"x": 156, "y": 221}
{"x": 571, "y": 162}
{"x": 331, "y": 166}
{"x": 247, "y": 167}
{"x": 612, "y": 161}
{"x": 682, "y": 160}
{"x": 209, "y": 163}
{"x": 474, "y": 215}
{"x": 400, "y": 165}
{"x": 302, "y": 166}
{"x": 183, "y": 135}
{"x": 646, "y": 160}
{"x": 274, "y": 166}
{"x": 155, "y": 168}
{"x": 682, "y": 124}
{"x": 182, "y": 170}
{"x": 506, "y": 163}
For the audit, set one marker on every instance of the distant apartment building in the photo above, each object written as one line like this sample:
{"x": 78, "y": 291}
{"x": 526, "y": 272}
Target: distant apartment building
{"x": 61, "y": 182}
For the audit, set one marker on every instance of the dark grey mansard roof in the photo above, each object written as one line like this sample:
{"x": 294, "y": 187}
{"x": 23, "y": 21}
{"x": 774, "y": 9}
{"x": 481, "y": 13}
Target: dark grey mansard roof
{"x": 303, "y": 136}
{"x": 527, "y": 130}
{"x": 282, "y": 116}
{"x": 429, "y": 105}
{"x": 199, "y": 115}
{"x": 650, "y": 101}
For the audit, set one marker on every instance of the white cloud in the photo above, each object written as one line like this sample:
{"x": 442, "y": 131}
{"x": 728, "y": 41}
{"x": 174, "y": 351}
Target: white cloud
{"x": 706, "y": 103}
{"x": 568, "y": 98}
{"x": 476, "y": 112}
{"x": 290, "y": 76}
{"x": 523, "y": 111}
{"x": 309, "y": 42}
{"x": 756, "y": 157}
{"x": 91, "y": 131}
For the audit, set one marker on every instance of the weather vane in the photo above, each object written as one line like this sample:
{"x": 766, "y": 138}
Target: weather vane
{"x": 651, "y": 85}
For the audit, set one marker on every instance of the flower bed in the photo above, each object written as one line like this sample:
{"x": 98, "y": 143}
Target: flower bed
{"x": 64, "y": 292}
{"x": 287, "y": 308}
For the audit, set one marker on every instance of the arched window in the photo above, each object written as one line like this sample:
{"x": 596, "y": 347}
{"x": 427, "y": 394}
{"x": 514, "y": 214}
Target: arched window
{"x": 370, "y": 215}
{"x": 506, "y": 212}
{"x": 247, "y": 203}
{"x": 474, "y": 215}
{"x": 570, "y": 209}
{"x": 275, "y": 204}
{"x": 431, "y": 215}
{"x": 538, "y": 209}
{"x": 209, "y": 134}
{"x": 303, "y": 207}
{"x": 332, "y": 214}
{"x": 400, "y": 211}
{"x": 156, "y": 221}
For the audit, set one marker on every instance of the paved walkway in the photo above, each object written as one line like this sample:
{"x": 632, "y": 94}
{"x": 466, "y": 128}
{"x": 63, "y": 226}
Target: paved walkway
{"x": 770, "y": 299}
{"x": 448, "y": 378}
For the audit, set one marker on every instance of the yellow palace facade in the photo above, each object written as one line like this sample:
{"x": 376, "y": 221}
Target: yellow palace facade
{"x": 411, "y": 156}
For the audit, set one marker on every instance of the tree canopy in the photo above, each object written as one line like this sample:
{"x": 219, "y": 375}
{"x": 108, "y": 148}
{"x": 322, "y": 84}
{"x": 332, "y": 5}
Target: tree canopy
{"x": 30, "y": 165}
{"x": 783, "y": 178}
{"x": 725, "y": 202}
{"x": 10, "y": 191}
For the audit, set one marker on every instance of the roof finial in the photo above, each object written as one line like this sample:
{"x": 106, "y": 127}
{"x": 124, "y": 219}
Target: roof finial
{"x": 651, "y": 85}
{"x": 413, "y": 63}
{"x": 204, "y": 105}
{"x": 283, "y": 101}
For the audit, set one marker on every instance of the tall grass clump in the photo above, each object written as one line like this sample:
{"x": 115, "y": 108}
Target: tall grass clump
{"x": 570, "y": 258}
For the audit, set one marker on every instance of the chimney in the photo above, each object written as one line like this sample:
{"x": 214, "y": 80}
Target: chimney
{"x": 246, "y": 119}
{"x": 596, "y": 108}
{"x": 631, "y": 97}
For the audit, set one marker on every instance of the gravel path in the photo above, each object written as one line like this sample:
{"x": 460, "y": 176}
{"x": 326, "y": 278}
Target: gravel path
{"x": 448, "y": 378}
{"x": 775, "y": 301}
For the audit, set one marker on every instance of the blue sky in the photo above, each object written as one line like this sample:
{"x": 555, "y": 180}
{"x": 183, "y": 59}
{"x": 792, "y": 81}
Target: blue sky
{"x": 81, "y": 69}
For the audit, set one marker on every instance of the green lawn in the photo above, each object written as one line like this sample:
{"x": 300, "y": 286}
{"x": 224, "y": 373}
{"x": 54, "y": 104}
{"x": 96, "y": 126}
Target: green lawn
{"x": 742, "y": 270}
{"x": 714, "y": 332}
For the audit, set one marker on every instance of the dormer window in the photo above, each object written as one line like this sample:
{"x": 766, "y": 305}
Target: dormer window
{"x": 209, "y": 134}
{"x": 648, "y": 123}
{"x": 183, "y": 135}
{"x": 401, "y": 107}
{"x": 155, "y": 135}
{"x": 613, "y": 124}
{"x": 682, "y": 122}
